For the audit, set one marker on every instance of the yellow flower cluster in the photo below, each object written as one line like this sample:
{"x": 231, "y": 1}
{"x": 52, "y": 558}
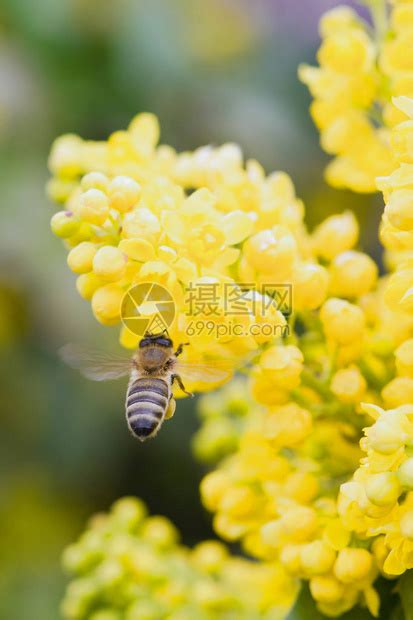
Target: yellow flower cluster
{"x": 359, "y": 72}
{"x": 378, "y": 501}
{"x": 397, "y": 222}
{"x": 137, "y": 212}
{"x": 130, "y": 566}
{"x": 313, "y": 449}
{"x": 224, "y": 415}
{"x": 277, "y": 493}
{"x": 284, "y": 438}
{"x": 278, "y": 490}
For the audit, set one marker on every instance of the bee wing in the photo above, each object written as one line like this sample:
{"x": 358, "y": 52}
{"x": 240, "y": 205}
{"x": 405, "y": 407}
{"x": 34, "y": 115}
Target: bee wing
{"x": 95, "y": 365}
{"x": 211, "y": 372}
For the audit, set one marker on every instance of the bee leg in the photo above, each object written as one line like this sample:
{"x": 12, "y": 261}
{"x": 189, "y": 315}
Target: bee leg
{"x": 180, "y": 348}
{"x": 178, "y": 379}
{"x": 171, "y": 408}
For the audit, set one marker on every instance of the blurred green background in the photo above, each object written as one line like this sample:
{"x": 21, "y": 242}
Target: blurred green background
{"x": 213, "y": 71}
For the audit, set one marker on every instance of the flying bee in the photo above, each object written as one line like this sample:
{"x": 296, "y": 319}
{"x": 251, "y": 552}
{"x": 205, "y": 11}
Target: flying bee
{"x": 153, "y": 370}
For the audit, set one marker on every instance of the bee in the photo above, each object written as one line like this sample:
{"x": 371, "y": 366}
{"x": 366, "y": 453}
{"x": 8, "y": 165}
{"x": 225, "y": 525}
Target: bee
{"x": 153, "y": 370}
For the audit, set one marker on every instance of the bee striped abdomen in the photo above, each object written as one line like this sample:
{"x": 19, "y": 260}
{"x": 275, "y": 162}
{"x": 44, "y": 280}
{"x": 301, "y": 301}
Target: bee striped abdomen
{"x": 146, "y": 403}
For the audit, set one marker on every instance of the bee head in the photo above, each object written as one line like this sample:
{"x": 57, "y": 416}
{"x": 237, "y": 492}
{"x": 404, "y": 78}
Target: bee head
{"x": 161, "y": 340}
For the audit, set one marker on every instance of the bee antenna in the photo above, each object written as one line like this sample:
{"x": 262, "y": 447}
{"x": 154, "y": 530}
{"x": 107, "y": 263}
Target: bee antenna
{"x": 149, "y": 334}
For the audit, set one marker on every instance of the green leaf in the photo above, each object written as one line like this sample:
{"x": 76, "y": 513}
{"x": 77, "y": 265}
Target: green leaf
{"x": 406, "y": 594}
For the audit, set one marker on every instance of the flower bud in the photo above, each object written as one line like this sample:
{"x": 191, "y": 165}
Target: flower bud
{"x": 288, "y": 425}
{"x": 353, "y": 565}
{"x": 347, "y": 51}
{"x": 326, "y": 589}
{"x": 144, "y": 129}
{"x": 337, "y": 19}
{"x": 290, "y": 557}
{"x": 80, "y": 258}
{"x": 398, "y": 392}
{"x": 349, "y": 385}
{"x": 299, "y": 522}
{"x": 335, "y": 235}
{"x": 399, "y": 290}
{"x": 128, "y": 512}
{"x": 352, "y": 274}
{"x": 271, "y": 533}
{"x": 109, "y": 263}
{"x": 94, "y": 180}
{"x": 342, "y": 322}
{"x": 405, "y": 474}
{"x": 386, "y": 435}
{"x": 238, "y": 502}
{"x": 301, "y": 486}
{"x": 65, "y": 157}
{"x": 406, "y": 525}
{"x": 404, "y": 358}
{"x": 317, "y": 558}
{"x": 106, "y": 303}
{"x": 59, "y": 190}
{"x": 213, "y": 488}
{"x": 309, "y": 287}
{"x": 399, "y": 209}
{"x": 283, "y": 364}
{"x": 93, "y": 206}
{"x": 272, "y": 251}
{"x": 160, "y": 532}
{"x": 141, "y": 223}
{"x": 87, "y": 284}
{"x": 209, "y": 555}
{"x": 64, "y": 224}
{"x": 124, "y": 193}
{"x": 382, "y": 489}
{"x": 402, "y": 141}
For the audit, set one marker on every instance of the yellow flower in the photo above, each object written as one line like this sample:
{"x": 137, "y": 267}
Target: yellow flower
{"x": 326, "y": 589}
{"x": 80, "y": 259}
{"x": 352, "y": 274}
{"x": 404, "y": 358}
{"x": 287, "y": 425}
{"x": 353, "y": 565}
{"x": 349, "y": 385}
{"x": 405, "y": 474}
{"x": 269, "y": 252}
{"x": 109, "y": 263}
{"x": 309, "y": 286}
{"x": 346, "y": 50}
{"x": 106, "y": 303}
{"x": 335, "y": 235}
{"x": 129, "y": 565}
{"x": 317, "y": 558}
{"x": 383, "y": 489}
{"x": 277, "y": 373}
{"x": 343, "y": 322}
